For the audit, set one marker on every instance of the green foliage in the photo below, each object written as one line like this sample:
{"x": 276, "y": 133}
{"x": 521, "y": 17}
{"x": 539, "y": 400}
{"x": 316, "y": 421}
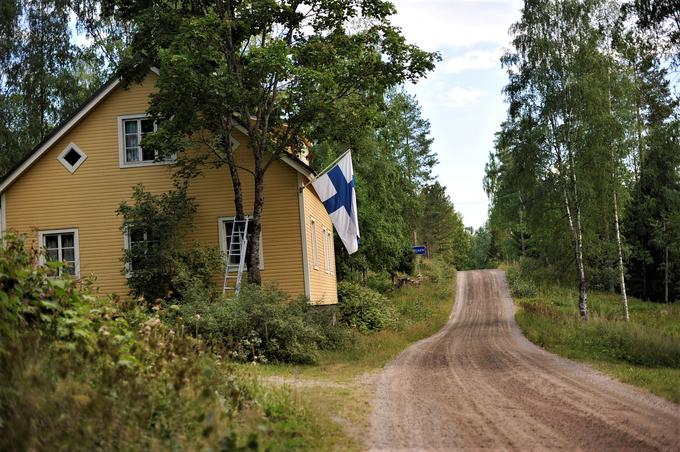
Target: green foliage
{"x": 159, "y": 262}
{"x": 262, "y": 325}
{"x": 651, "y": 339}
{"x": 363, "y": 308}
{"x": 77, "y": 372}
{"x": 29, "y": 300}
{"x": 44, "y": 75}
{"x": 289, "y": 65}
{"x": 396, "y": 192}
{"x": 588, "y": 148}
{"x": 520, "y": 285}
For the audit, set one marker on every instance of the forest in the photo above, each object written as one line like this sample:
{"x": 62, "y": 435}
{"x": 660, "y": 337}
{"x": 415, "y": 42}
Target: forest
{"x": 584, "y": 179}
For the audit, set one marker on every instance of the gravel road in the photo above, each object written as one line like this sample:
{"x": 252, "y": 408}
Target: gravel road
{"x": 478, "y": 383}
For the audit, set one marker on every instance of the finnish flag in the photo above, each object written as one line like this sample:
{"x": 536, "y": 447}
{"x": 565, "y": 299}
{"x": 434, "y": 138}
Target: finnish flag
{"x": 335, "y": 187}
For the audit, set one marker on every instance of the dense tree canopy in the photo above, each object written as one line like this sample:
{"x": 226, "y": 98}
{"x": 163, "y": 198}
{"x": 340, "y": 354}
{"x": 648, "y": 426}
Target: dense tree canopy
{"x": 585, "y": 170}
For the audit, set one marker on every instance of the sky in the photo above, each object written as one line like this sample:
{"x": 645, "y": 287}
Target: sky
{"x": 462, "y": 98}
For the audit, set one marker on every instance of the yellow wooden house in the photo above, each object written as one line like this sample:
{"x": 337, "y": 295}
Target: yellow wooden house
{"x": 65, "y": 193}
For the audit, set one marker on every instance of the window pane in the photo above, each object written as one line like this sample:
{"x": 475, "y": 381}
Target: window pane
{"x": 52, "y": 255}
{"x": 72, "y": 157}
{"x": 67, "y": 241}
{"x": 51, "y": 242}
{"x": 70, "y": 268}
{"x": 68, "y": 254}
{"x": 148, "y": 155}
{"x": 147, "y": 126}
{"x": 131, "y": 141}
{"x": 137, "y": 235}
{"x": 131, "y": 126}
{"x": 131, "y": 155}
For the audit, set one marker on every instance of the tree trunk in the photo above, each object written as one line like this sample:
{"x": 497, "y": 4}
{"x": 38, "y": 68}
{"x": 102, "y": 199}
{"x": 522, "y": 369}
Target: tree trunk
{"x": 253, "y": 253}
{"x": 665, "y": 267}
{"x": 620, "y": 255}
{"x": 521, "y": 222}
{"x": 578, "y": 252}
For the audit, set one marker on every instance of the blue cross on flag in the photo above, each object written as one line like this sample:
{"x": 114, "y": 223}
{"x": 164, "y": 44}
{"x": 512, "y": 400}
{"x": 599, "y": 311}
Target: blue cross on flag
{"x": 335, "y": 187}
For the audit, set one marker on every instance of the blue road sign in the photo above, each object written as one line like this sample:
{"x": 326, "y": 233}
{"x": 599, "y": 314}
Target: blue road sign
{"x": 419, "y": 249}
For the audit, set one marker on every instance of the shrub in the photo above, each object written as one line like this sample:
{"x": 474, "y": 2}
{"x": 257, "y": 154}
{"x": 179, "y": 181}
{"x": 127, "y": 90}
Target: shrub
{"x": 261, "y": 324}
{"x": 363, "y": 308}
{"x": 520, "y": 286}
{"x": 81, "y": 373}
{"x": 163, "y": 265}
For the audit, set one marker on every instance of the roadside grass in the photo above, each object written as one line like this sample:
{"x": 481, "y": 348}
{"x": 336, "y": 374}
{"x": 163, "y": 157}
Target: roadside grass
{"x": 423, "y": 310}
{"x": 337, "y": 390}
{"x": 644, "y": 352}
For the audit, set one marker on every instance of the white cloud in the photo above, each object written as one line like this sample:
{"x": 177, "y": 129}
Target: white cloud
{"x": 472, "y": 60}
{"x": 436, "y": 24}
{"x": 457, "y": 98}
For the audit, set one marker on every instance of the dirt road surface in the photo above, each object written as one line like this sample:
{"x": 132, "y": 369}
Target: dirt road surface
{"x": 478, "y": 383}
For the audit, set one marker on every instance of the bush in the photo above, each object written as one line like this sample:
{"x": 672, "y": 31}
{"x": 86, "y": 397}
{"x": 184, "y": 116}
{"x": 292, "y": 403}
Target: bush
{"x": 162, "y": 265}
{"x": 261, "y": 325}
{"x": 363, "y": 308}
{"x": 78, "y": 373}
{"x": 520, "y": 286}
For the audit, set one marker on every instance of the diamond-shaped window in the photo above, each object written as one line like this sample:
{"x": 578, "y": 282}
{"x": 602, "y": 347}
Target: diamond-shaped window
{"x": 72, "y": 157}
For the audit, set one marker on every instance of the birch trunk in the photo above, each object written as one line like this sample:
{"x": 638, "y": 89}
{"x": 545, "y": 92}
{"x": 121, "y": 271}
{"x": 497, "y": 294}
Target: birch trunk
{"x": 620, "y": 255}
{"x": 665, "y": 288}
{"x": 578, "y": 252}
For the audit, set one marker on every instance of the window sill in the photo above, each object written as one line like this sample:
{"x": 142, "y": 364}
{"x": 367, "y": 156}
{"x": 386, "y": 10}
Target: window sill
{"x": 143, "y": 164}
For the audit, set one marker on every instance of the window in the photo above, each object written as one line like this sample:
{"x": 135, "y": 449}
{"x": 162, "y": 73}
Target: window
{"x": 62, "y": 246}
{"x": 132, "y": 130}
{"x": 226, "y": 226}
{"x": 138, "y": 242}
{"x": 72, "y": 157}
{"x": 315, "y": 248}
{"x": 326, "y": 253}
{"x": 328, "y": 249}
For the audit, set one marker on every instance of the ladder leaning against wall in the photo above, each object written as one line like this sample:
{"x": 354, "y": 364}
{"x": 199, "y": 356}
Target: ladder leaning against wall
{"x": 236, "y": 256}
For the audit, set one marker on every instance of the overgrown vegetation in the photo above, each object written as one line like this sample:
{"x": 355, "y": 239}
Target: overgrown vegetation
{"x": 78, "y": 372}
{"x": 158, "y": 261}
{"x": 363, "y": 308}
{"x": 264, "y": 325}
{"x": 645, "y": 351}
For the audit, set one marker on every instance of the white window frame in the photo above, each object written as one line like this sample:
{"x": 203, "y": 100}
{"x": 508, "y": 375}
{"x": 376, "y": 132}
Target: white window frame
{"x": 222, "y": 234}
{"x": 76, "y": 246}
{"x": 123, "y": 163}
{"x": 72, "y": 168}
{"x": 315, "y": 246}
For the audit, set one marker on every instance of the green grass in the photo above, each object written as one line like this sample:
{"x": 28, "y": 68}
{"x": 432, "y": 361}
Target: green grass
{"x": 644, "y": 352}
{"x": 343, "y": 409}
{"x": 422, "y": 312}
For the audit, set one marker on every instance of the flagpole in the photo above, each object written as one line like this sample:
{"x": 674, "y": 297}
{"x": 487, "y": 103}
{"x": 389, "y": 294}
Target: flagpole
{"x": 325, "y": 170}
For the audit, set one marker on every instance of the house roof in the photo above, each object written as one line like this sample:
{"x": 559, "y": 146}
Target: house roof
{"x": 66, "y": 125}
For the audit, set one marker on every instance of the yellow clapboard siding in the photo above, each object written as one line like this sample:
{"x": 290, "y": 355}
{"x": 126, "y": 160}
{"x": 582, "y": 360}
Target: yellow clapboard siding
{"x": 323, "y": 284}
{"x": 48, "y": 197}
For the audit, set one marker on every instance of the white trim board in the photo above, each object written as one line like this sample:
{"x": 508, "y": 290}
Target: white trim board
{"x": 72, "y": 168}
{"x": 303, "y": 232}
{"x": 3, "y": 215}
